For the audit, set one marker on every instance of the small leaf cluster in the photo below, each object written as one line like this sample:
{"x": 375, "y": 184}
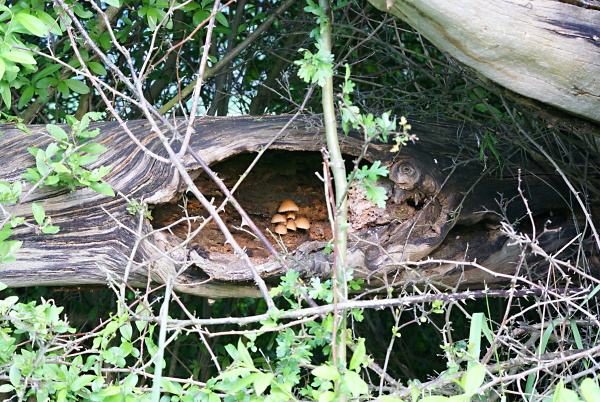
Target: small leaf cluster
{"x": 31, "y": 28}
{"x": 28, "y": 336}
{"x": 9, "y": 194}
{"x": 380, "y": 128}
{"x": 367, "y": 177}
{"x": 37, "y": 346}
{"x": 135, "y": 207}
{"x": 288, "y": 372}
{"x": 43, "y": 221}
{"x": 349, "y": 380}
{"x": 62, "y": 162}
{"x": 14, "y": 62}
{"x": 19, "y": 67}
{"x": 315, "y": 67}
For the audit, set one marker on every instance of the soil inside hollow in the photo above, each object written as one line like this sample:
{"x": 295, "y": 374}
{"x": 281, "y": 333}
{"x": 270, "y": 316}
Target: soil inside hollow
{"x": 277, "y": 176}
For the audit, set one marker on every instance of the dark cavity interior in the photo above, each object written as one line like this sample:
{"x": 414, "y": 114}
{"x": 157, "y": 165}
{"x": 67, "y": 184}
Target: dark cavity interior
{"x": 277, "y": 176}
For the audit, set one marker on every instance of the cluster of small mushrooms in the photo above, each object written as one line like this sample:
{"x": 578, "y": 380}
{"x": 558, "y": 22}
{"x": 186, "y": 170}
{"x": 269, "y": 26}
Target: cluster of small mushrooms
{"x": 286, "y": 219}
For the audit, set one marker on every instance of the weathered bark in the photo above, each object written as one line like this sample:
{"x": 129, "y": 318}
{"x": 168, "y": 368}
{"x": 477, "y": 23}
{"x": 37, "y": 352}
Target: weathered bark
{"x": 435, "y": 186}
{"x": 548, "y": 50}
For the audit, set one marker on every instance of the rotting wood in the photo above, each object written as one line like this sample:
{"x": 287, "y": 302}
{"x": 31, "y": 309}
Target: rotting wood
{"x": 98, "y": 234}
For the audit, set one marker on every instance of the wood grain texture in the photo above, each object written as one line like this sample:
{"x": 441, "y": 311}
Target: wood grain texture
{"x": 546, "y": 50}
{"x": 100, "y": 239}
{"x": 98, "y": 235}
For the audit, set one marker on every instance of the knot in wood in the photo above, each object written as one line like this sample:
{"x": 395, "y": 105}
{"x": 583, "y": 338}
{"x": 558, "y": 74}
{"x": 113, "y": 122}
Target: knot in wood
{"x": 410, "y": 177}
{"x": 405, "y": 174}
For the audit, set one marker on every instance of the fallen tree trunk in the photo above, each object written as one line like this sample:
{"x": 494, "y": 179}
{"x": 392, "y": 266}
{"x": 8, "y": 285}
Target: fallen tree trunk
{"x": 442, "y": 204}
{"x": 545, "y": 50}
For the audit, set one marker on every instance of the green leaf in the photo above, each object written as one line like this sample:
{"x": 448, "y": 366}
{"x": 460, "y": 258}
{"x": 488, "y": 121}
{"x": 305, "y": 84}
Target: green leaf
{"x": 109, "y": 391}
{"x": 57, "y": 132}
{"x": 102, "y": 188}
{"x": 221, "y": 19}
{"x": 26, "y": 95}
{"x": 97, "y": 67}
{"x": 51, "y": 229}
{"x": 171, "y": 386}
{"x": 473, "y": 379}
{"x": 49, "y": 21}
{"x": 563, "y": 394}
{"x": 262, "y": 382}
{"x": 242, "y": 383}
{"x": 16, "y": 221}
{"x": 153, "y": 16}
{"x": 33, "y": 24}
{"x": 358, "y": 356}
{"x": 236, "y": 372}
{"x": 38, "y": 213}
{"x": 6, "y": 388}
{"x": 326, "y": 372}
{"x": 232, "y": 351}
{"x": 86, "y": 159}
{"x": 32, "y": 175}
{"x": 90, "y": 134}
{"x": 10, "y": 192}
{"x": 5, "y": 234}
{"x": 243, "y": 354}
{"x": 2, "y": 68}
{"x": 377, "y": 194}
{"x": 126, "y": 331}
{"x": 5, "y": 93}
{"x": 40, "y": 162}
{"x": 126, "y": 348}
{"x": 223, "y": 30}
{"x": 114, "y": 3}
{"x": 355, "y": 384}
{"x": 315, "y": 67}
{"x": 81, "y": 12}
{"x": 19, "y": 56}
{"x": 93, "y": 148}
{"x": 9, "y": 248}
{"x": 81, "y": 382}
{"x": 589, "y": 390}
{"x": 60, "y": 168}
{"x": 14, "y": 375}
{"x": 63, "y": 88}
{"x": 327, "y": 396}
{"x": 46, "y": 72}
{"x": 77, "y": 86}
{"x": 51, "y": 180}
{"x": 475, "y": 333}
{"x": 51, "y": 150}
{"x": 200, "y": 16}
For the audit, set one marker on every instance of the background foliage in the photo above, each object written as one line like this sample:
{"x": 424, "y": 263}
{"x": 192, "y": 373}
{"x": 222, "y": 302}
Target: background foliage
{"x": 110, "y": 348}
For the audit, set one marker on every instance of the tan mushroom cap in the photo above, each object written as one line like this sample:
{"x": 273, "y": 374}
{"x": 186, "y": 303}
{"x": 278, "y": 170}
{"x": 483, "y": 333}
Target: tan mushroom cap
{"x": 290, "y": 215}
{"x": 288, "y": 205}
{"x": 280, "y": 229}
{"x": 278, "y": 218}
{"x": 291, "y": 225}
{"x": 303, "y": 223}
